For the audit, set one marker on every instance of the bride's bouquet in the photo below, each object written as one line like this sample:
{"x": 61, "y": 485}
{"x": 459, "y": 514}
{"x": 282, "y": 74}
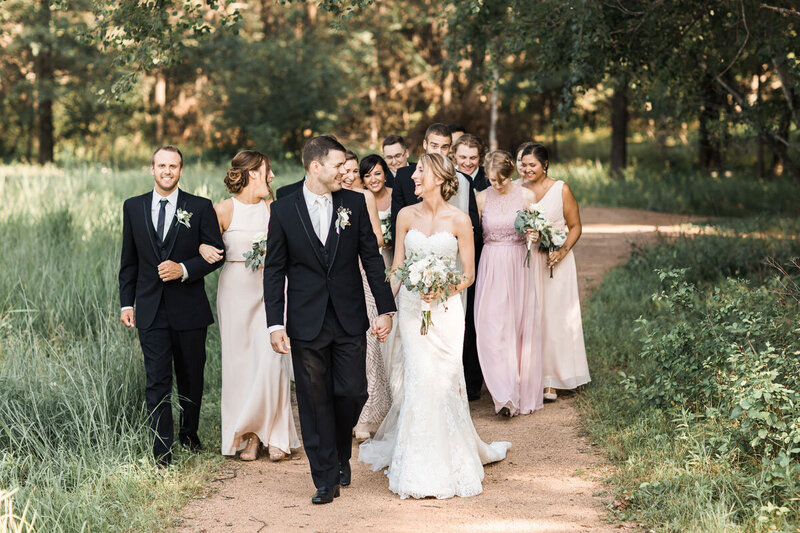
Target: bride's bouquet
{"x": 533, "y": 218}
{"x": 425, "y": 274}
{"x": 254, "y": 257}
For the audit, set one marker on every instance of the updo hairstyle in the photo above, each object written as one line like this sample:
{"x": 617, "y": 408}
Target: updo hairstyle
{"x": 441, "y": 167}
{"x": 537, "y": 150}
{"x": 238, "y": 175}
{"x": 500, "y": 165}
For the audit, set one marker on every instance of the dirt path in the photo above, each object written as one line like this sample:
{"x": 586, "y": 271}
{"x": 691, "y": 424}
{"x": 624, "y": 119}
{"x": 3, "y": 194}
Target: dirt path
{"x": 551, "y": 480}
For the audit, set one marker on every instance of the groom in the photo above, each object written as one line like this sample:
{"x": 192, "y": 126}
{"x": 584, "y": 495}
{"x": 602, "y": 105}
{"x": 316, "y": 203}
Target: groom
{"x": 317, "y": 234}
{"x": 162, "y": 272}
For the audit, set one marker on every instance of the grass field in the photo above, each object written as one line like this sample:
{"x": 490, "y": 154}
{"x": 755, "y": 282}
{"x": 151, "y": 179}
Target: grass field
{"x": 73, "y": 430}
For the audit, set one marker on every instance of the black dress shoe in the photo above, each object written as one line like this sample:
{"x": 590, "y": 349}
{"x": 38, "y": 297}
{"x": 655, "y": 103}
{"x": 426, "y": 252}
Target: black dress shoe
{"x": 192, "y": 444}
{"x": 325, "y": 494}
{"x": 472, "y": 396}
{"x": 344, "y": 474}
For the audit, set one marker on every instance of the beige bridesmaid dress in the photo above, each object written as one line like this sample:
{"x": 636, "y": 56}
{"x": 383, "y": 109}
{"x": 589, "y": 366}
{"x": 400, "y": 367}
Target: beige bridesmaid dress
{"x": 255, "y": 379}
{"x": 564, "y": 364}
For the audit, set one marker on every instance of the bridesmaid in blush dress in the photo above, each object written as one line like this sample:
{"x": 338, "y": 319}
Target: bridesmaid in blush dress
{"x": 564, "y": 364}
{"x": 507, "y": 323}
{"x": 256, "y": 404}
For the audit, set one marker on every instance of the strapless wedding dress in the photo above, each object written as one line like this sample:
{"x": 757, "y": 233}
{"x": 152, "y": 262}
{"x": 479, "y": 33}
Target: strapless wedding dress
{"x": 428, "y": 441}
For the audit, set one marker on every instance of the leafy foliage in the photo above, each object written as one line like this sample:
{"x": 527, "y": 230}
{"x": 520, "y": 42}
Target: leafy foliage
{"x": 699, "y": 397}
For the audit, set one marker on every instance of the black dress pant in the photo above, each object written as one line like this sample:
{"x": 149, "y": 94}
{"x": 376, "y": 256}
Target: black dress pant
{"x": 331, "y": 385}
{"x": 163, "y": 348}
{"x": 473, "y": 376}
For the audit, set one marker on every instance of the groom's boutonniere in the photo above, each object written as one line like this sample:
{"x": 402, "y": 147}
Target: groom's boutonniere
{"x": 183, "y": 217}
{"x": 342, "y": 218}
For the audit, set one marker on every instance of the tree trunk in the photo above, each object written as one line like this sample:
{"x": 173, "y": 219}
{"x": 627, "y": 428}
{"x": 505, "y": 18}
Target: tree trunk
{"x": 759, "y": 140}
{"x": 161, "y": 106}
{"x": 619, "y": 128}
{"x": 708, "y": 148}
{"x": 45, "y": 86}
{"x": 553, "y": 114}
{"x": 788, "y": 93}
{"x": 493, "y": 111}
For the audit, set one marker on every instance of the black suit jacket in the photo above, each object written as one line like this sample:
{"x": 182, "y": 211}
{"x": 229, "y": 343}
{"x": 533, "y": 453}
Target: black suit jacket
{"x": 481, "y": 182}
{"x": 320, "y": 273}
{"x": 185, "y": 302}
{"x": 403, "y": 195}
{"x": 286, "y": 190}
{"x": 402, "y": 192}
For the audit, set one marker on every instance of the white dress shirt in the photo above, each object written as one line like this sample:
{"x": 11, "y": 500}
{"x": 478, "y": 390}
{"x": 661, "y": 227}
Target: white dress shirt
{"x": 169, "y": 212}
{"x": 315, "y": 202}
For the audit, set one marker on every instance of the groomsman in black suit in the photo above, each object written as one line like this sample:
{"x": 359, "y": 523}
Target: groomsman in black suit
{"x": 316, "y": 237}
{"x": 438, "y": 141}
{"x": 468, "y": 153}
{"x": 161, "y": 273}
{"x": 395, "y": 153}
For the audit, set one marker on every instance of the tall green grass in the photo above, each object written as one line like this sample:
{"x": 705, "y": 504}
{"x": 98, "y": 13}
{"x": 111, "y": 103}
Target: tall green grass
{"x": 74, "y": 435}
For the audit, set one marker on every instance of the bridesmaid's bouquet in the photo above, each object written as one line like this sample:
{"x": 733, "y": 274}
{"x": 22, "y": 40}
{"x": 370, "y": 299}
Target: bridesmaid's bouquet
{"x": 254, "y": 257}
{"x": 425, "y": 274}
{"x": 386, "y": 229}
{"x": 533, "y": 218}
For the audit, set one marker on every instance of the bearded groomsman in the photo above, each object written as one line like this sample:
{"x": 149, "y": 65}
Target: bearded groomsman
{"x": 161, "y": 274}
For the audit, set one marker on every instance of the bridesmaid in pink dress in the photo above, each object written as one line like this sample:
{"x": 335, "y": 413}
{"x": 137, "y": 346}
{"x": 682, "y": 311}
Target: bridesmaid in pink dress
{"x": 506, "y": 321}
{"x": 564, "y": 364}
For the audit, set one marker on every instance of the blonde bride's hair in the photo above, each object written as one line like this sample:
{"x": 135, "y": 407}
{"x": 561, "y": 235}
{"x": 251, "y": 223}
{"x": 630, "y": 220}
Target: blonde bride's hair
{"x": 442, "y": 168}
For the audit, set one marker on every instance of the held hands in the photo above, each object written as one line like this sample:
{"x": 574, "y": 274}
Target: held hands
{"x": 169, "y": 270}
{"x": 280, "y": 341}
{"x": 532, "y": 236}
{"x": 210, "y": 253}
{"x": 381, "y": 326}
{"x": 556, "y": 257}
{"x": 126, "y": 317}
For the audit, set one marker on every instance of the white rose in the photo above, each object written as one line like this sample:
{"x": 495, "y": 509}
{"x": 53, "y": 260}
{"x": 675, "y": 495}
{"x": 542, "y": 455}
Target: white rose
{"x": 258, "y": 237}
{"x": 559, "y": 238}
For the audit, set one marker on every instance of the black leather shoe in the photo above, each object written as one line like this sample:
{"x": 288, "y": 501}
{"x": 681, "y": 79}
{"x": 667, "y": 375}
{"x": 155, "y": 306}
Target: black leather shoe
{"x": 344, "y": 474}
{"x": 192, "y": 444}
{"x": 472, "y": 396}
{"x": 325, "y": 494}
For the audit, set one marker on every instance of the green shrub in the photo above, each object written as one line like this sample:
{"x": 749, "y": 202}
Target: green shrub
{"x": 696, "y": 389}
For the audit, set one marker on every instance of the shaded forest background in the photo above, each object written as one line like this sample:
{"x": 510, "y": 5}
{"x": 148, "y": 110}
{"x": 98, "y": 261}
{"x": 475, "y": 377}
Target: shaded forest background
{"x": 95, "y": 80}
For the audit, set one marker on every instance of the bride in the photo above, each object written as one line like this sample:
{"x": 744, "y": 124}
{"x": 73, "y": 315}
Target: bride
{"x": 427, "y": 441}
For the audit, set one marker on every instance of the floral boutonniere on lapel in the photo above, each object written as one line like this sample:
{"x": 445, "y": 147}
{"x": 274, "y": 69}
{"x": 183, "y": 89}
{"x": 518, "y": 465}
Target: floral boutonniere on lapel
{"x": 342, "y": 218}
{"x": 183, "y": 217}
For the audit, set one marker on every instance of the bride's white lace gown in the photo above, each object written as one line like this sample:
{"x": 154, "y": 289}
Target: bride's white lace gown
{"x": 428, "y": 440}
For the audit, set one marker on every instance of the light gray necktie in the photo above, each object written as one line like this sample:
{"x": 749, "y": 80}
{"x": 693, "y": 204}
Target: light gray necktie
{"x": 324, "y": 219}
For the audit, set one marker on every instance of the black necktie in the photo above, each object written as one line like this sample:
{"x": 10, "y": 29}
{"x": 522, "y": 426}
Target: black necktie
{"x": 162, "y": 214}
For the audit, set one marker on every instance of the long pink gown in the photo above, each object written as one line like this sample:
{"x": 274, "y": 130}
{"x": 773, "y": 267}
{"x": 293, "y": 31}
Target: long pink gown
{"x": 564, "y": 364}
{"x": 506, "y": 319}
{"x": 255, "y": 379}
